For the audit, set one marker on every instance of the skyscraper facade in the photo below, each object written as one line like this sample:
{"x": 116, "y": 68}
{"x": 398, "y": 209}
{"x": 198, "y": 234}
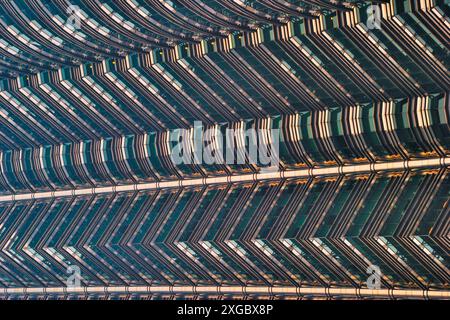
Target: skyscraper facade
{"x": 224, "y": 149}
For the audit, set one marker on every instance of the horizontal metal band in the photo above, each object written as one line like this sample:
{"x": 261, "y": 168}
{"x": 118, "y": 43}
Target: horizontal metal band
{"x": 236, "y": 290}
{"x": 275, "y": 175}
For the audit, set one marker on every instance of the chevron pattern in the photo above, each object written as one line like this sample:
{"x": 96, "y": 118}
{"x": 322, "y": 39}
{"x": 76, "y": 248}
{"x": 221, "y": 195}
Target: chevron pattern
{"x": 88, "y": 114}
{"x": 310, "y": 231}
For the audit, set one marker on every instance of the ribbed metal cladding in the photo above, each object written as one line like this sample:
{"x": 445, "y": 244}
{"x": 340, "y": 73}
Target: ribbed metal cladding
{"x": 95, "y": 98}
